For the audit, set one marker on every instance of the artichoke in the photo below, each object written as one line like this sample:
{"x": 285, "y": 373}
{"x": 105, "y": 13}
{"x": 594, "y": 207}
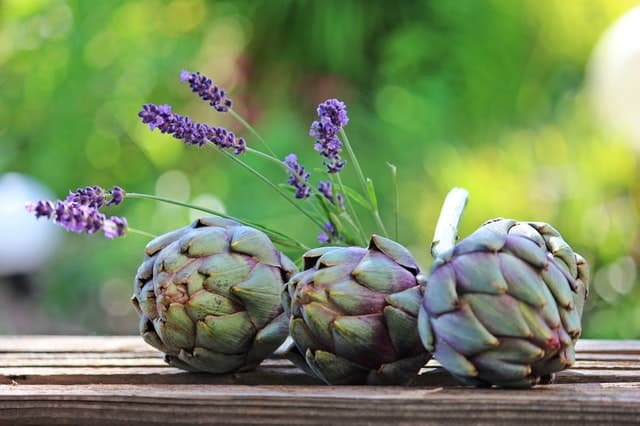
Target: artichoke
{"x": 503, "y": 307}
{"x": 354, "y": 314}
{"x": 208, "y": 296}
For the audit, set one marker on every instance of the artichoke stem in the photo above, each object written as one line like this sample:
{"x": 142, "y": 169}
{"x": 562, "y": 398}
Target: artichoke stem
{"x": 446, "y": 233}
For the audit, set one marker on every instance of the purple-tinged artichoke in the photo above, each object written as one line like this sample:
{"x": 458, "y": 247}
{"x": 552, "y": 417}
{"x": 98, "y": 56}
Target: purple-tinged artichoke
{"x": 354, "y": 314}
{"x": 503, "y": 307}
{"x": 209, "y": 296}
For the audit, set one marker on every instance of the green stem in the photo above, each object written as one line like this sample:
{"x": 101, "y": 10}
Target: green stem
{"x": 294, "y": 242}
{"x": 250, "y": 128}
{"x": 396, "y": 200}
{"x": 131, "y": 230}
{"x": 358, "y": 226}
{"x": 273, "y": 186}
{"x": 275, "y": 161}
{"x": 363, "y": 182}
{"x": 271, "y": 158}
{"x": 356, "y": 164}
{"x": 284, "y": 166}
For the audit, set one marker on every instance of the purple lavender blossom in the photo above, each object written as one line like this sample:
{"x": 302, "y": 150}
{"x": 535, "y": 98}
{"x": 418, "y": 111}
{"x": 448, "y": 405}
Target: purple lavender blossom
{"x": 333, "y": 117}
{"x": 329, "y": 234}
{"x": 190, "y": 132}
{"x": 335, "y": 165}
{"x": 298, "y": 176}
{"x": 323, "y": 238}
{"x": 326, "y": 189}
{"x": 79, "y": 212}
{"x": 41, "y": 208}
{"x": 115, "y": 227}
{"x": 204, "y": 87}
{"x": 91, "y": 196}
{"x": 333, "y": 114}
{"x": 117, "y": 195}
{"x": 95, "y": 196}
{"x": 76, "y": 217}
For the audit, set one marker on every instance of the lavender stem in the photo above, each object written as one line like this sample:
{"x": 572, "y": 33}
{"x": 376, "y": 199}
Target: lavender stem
{"x": 358, "y": 225}
{"x": 266, "y": 230}
{"x": 131, "y": 230}
{"x": 250, "y": 128}
{"x": 396, "y": 200}
{"x": 363, "y": 182}
{"x": 273, "y": 186}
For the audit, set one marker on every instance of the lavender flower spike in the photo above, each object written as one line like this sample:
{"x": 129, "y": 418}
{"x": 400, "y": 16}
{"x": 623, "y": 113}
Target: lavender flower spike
{"x": 329, "y": 234}
{"x": 91, "y": 196}
{"x": 298, "y": 177}
{"x": 117, "y": 195}
{"x": 333, "y": 113}
{"x": 326, "y": 189}
{"x": 79, "y": 212}
{"x": 333, "y": 117}
{"x": 94, "y": 196}
{"x": 204, "y": 87}
{"x": 115, "y": 227}
{"x": 191, "y": 133}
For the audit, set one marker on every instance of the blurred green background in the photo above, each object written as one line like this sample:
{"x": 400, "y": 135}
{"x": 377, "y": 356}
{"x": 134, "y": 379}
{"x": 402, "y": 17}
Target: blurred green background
{"x": 488, "y": 95}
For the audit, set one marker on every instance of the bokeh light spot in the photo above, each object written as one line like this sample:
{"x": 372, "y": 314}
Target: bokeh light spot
{"x": 208, "y": 201}
{"x": 173, "y": 184}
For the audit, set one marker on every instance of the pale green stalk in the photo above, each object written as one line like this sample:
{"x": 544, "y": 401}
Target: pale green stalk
{"x": 356, "y": 165}
{"x": 216, "y": 213}
{"x": 284, "y": 166}
{"x": 131, "y": 230}
{"x": 250, "y": 128}
{"x": 358, "y": 226}
{"x": 272, "y": 185}
{"x": 396, "y": 199}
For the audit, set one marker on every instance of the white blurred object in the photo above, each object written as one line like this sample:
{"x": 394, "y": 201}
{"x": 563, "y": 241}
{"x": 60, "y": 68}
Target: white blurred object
{"x": 25, "y": 242}
{"x": 614, "y": 76}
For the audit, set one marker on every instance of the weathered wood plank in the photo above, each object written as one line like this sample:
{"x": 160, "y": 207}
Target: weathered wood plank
{"x": 63, "y": 380}
{"x": 608, "y": 346}
{"x": 128, "y": 360}
{"x": 279, "y": 374}
{"x": 299, "y": 405}
{"x": 56, "y": 344}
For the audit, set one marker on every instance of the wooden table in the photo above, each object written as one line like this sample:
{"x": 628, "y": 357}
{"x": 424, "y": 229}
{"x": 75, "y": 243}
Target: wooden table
{"x": 59, "y": 380}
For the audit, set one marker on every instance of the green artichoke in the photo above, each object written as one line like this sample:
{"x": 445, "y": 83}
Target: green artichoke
{"x": 208, "y": 296}
{"x": 354, "y": 312}
{"x": 503, "y": 307}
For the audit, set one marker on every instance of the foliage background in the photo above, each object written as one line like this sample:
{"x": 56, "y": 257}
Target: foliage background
{"x": 488, "y": 95}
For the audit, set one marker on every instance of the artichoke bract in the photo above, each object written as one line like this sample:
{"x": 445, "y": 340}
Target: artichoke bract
{"x": 353, "y": 314}
{"x": 504, "y": 306}
{"x": 208, "y": 296}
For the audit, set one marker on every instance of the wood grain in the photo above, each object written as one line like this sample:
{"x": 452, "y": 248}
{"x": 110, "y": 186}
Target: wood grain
{"x": 64, "y": 380}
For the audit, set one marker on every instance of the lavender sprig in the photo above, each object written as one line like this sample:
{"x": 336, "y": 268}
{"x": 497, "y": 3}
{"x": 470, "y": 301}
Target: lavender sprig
{"x": 91, "y": 196}
{"x": 161, "y": 117}
{"x": 117, "y": 195}
{"x": 80, "y": 213}
{"x": 217, "y": 98}
{"x": 204, "y": 87}
{"x": 191, "y": 133}
{"x": 333, "y": 117}
{"x": 326, "y": 189}
{"x": 329, "y": 234}
{"x": 298, "y": 176}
